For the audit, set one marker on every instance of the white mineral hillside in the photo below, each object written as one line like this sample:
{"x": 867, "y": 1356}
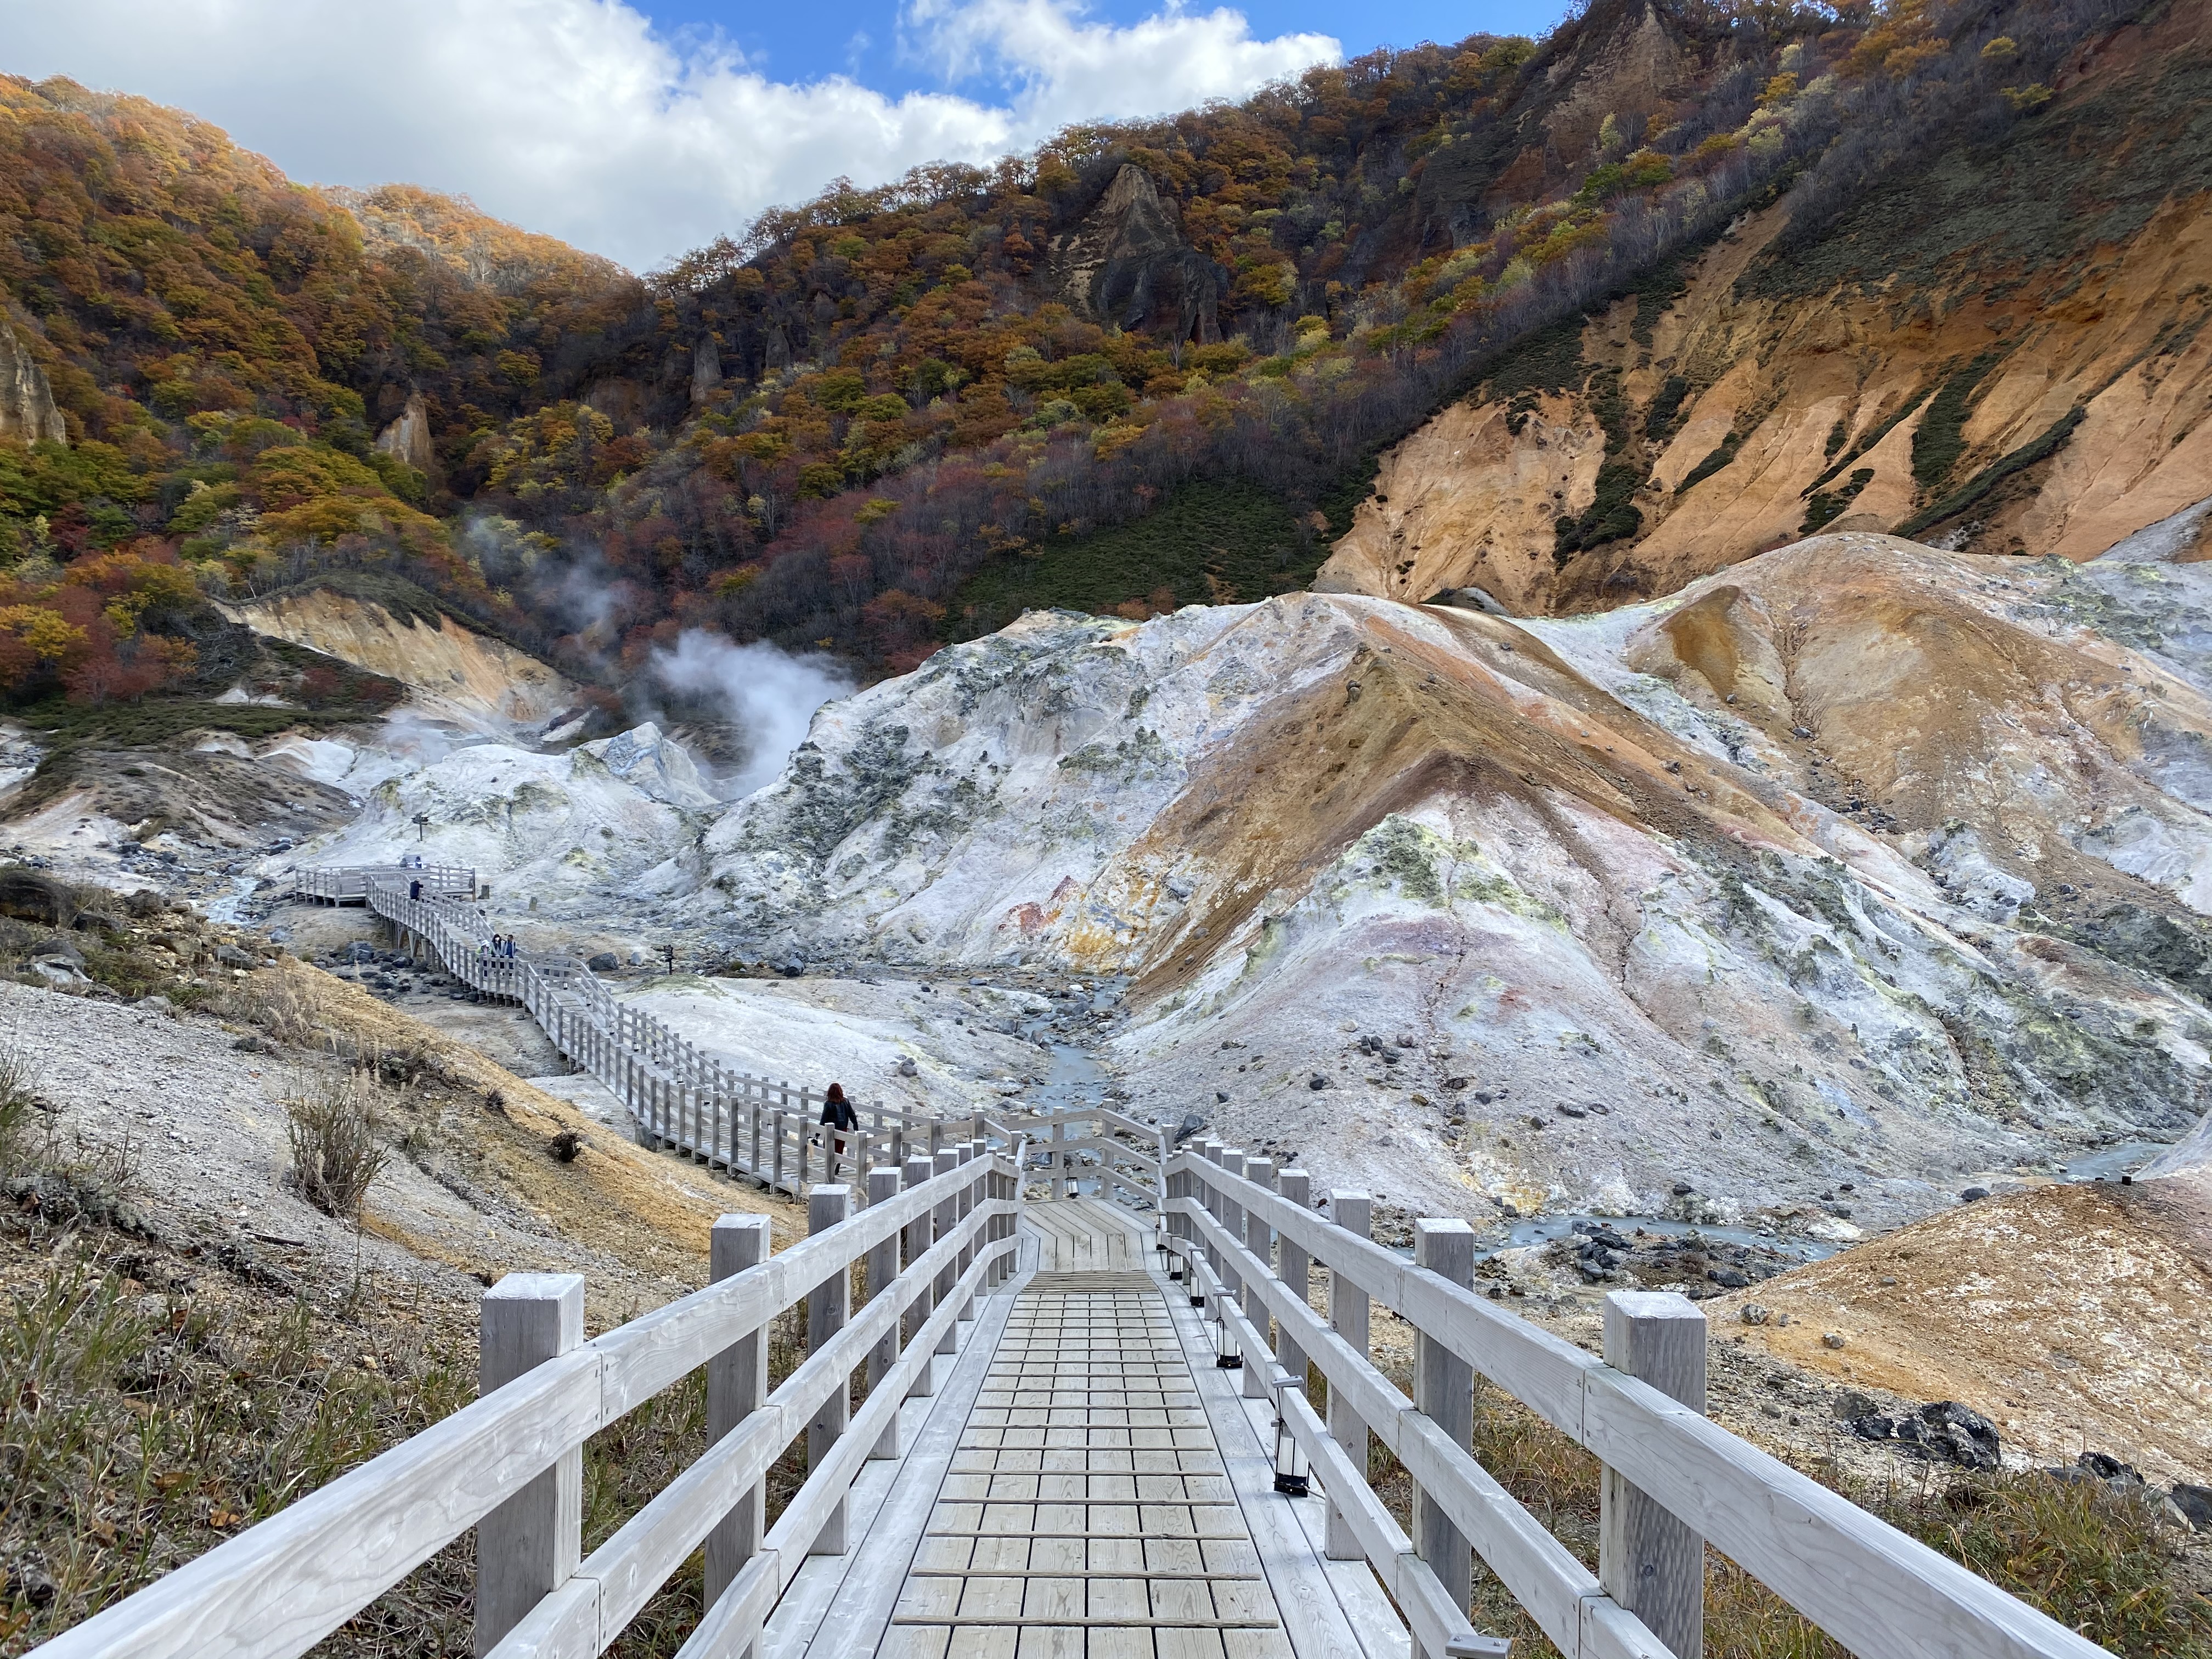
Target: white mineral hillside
{"x": 1847, "y": 878}
{"x": 586, "y": 833}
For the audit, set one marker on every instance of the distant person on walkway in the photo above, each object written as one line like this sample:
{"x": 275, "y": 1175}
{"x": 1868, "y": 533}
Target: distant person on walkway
{"x": 414, "y": 889}
{"x": 837, "y": 1117}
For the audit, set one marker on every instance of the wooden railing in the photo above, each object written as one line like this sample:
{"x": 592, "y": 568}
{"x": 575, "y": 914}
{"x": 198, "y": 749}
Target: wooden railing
{"x": 1126, "y": 1157}
{"x": 682, "y": 1098}
{"x": 1673, "y": 1481}
{"x": 349, "y": 885}
{"x": 511, "y": 1465}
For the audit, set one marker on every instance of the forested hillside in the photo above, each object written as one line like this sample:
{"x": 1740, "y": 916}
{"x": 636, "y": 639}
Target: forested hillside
{"x": 1149, "y": 363}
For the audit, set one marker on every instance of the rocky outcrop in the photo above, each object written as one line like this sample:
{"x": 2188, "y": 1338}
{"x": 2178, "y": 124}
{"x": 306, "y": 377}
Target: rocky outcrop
{"x": 1622, "y": 60}
{"x": 486, "y": 251}
{"x": 562, "y": 829}
{"x": 1471, "y": 500}
{"x": 1128, "y": 264}
{"x": 1866, "y": 862}
{"x": 706, "y": 370}
{"x": 452, "y": 674}
{"x": 1926, "y": 363}
{"x": 28, "y": 412}
{"x": 408, "y": 438}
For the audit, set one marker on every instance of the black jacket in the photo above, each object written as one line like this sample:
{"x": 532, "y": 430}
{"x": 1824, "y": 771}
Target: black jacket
{"x": 839, "y": 1115}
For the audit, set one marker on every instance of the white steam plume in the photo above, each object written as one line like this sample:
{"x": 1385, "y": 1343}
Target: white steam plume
{"x": 765, "y": 692}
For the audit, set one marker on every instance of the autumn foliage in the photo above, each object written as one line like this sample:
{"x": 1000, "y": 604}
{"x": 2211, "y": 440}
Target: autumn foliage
{"x": 819, "y": 431}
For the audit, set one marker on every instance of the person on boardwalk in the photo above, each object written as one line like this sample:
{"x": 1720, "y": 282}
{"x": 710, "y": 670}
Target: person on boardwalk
{"x": 837, "y": 1116}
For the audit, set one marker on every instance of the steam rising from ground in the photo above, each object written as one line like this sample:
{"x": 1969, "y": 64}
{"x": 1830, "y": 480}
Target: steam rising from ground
{"x": 764, "y": 691}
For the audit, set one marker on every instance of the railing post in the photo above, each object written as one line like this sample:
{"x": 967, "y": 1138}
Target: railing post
{"x": 1230, "y": 1215}
{"x": 1347, "y": 1317}
{"x": 737, "y": 1383}
{"x": 917, "y": 1245}
{"x": 828, "y": 1305}
{"x": 1648, "y": 1561}
{"x": 531, "y": 1543}
{"x": 1290, "y": 1267}
{"x": 883, "y": 1280}
{"x": 968, "y": 1196}
{"x": 1259, "y": 1238}
{"x": 1001, "y": 1226}
{"x": 1444, "y": 1392}
{"x": 947, "y": 1209}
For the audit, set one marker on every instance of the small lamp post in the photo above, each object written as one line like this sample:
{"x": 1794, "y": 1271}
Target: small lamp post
{"x": 1292, "y": 1470}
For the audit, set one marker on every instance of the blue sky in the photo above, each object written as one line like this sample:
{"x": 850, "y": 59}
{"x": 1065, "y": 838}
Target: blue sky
{"x": 639, "y": 128}
{"x": 862, "y": 39}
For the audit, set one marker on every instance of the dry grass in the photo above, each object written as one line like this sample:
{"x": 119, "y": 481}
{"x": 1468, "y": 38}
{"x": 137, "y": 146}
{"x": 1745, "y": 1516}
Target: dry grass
{"x": 155, "y": 1407}
{"x": 332, "y": 1123}
{"x": 2097, "y": 1561}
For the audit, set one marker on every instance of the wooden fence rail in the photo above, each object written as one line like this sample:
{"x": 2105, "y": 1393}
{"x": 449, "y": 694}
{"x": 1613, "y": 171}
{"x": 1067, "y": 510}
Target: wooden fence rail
{"x": 510, "y": 1464}
{"x": 682, "y": 1098}
{"x": 1674, "y": 1480}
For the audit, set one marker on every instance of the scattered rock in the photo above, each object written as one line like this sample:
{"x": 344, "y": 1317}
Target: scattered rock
{"x": 231, "y": 956}
{"x": 28, "y": 1582}
{"x": 565, "y": 1145}
{"x": 1317, "y": 1081}
{"x": 28, "y": 896}
{"x": 2195, "y": 1503}
{"x": 1942, "y": 1430}
{"x": 1683, "y": 1190}
{"x": 1752, "y": 1314}
{"x": 1833, "y": 1339}
{"x": 605, "y": 962}
{"x": 1973, "y": 1193}
{"x": 906, "y": 1065}
{"x": 250, "y": 1044}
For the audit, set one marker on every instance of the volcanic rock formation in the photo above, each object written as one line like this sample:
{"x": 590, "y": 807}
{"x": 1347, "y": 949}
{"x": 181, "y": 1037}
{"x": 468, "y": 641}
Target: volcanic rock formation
{"x": 1864, "y": 857}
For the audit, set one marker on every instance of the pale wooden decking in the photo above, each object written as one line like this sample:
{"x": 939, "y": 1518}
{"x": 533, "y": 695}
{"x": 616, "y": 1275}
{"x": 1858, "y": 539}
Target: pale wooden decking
{"x": 1087, "y": 1234}
{"x": 1087, "y": 1514}
{"x": 1084, "y": 1484}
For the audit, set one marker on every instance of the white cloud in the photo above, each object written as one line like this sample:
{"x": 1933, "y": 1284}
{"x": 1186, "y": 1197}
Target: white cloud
{"x": 572, "y": 117}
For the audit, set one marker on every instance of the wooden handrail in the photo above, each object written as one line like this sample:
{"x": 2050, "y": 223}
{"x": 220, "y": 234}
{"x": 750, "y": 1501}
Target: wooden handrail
{"x": 280, "y": 1587}
{"x": 757, "y": 1126}
{"x": 1872, "y": 1588}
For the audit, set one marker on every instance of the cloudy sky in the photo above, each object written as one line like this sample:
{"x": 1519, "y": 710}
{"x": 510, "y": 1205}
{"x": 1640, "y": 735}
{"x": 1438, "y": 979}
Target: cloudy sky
{"x": 641, "y": 133}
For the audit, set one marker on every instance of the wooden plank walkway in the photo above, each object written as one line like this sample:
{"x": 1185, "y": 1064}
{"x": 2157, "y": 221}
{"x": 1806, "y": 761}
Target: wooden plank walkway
{"x": 1087, "y": 1234}
{"x": 1087, "y": 1514}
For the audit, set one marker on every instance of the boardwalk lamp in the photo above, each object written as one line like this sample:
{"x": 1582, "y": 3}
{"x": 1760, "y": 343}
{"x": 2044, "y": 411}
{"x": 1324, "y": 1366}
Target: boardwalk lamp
{"x": 1226, "y": 1356}
{"x": 1291, "y": 1469}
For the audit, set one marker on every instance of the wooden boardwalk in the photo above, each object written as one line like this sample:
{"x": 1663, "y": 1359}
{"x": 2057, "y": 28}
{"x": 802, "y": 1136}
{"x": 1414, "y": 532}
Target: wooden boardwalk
{"x": 1087, "y": 1234}
{"x": 1098, "y": 1490}
{"x": 1087, "y": 1514}
{"x": 1077, "y": 1479}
